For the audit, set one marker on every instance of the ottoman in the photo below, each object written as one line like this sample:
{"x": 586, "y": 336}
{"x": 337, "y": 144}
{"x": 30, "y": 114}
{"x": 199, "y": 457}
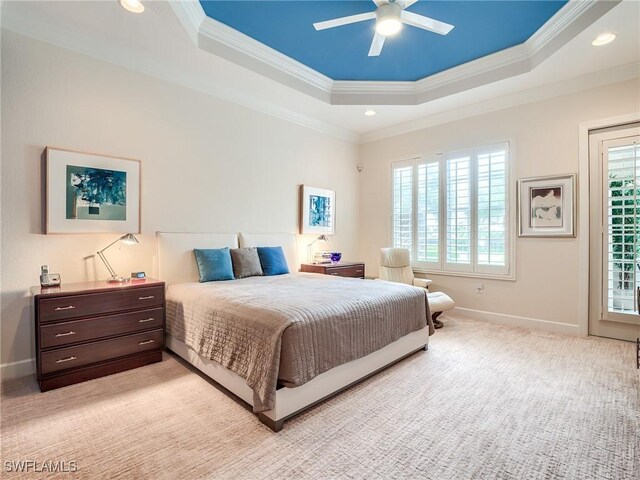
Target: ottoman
{"x": 439, "y": 302}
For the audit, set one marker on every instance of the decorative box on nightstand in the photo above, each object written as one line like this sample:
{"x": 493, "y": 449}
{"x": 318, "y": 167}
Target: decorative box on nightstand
{"x": 92, "y": 329}
{"x": 340, "y": 269}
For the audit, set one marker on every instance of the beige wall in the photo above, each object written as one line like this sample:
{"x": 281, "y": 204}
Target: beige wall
{"x": 207, "y": 165}
{"x": 546, "y": 143}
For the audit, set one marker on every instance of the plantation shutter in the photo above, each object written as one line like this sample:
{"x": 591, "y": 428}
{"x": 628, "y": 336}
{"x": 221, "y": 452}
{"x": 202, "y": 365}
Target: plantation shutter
{"x": 451, "y": 210}
{"x": 402, "y": 221}
{"x": 458, "y": 221}
{"x": 491, "y": 209}
{"x": 428, "y": 214}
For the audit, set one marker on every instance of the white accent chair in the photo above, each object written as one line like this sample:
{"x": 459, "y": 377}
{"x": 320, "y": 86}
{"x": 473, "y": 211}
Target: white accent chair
{"x": 395, "y": 266}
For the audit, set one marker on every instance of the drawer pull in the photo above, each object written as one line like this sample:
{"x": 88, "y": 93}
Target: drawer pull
{"x": 70, "y": 307}
{"x": 144, "y": 320}
{"x": 148, "y": 297}
{"x": 358, "y": 271}
{"x": 65, "y": 334}
{"x": 68, "y": 359}
{"x": 334, "y": 273}
{"x": 146, "y": 342}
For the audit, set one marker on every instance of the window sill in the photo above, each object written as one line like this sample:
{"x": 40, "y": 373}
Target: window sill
{"x": 511, "y": 277}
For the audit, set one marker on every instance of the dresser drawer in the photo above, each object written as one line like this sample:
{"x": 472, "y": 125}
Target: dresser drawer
{"x": 70, "y": 357}
{"x": 91, "y": 304}
{"x": 356, "y": 271}
{"x": 64, "y": 333}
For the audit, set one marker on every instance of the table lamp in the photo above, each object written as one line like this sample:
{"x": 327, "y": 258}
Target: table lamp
{"x": 321, "y": 238}
{"x": 128, "y": 239}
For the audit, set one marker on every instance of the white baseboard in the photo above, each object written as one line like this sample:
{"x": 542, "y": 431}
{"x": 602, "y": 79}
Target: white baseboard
{"x": 517, "y": 321}
{"x": 22, "y": 368}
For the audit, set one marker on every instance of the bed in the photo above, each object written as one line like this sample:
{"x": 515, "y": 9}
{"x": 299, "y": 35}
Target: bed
{"x": 284, "y": 343}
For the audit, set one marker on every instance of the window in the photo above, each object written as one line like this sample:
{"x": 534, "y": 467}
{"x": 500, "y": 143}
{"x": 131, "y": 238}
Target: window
{"x": 451, "y": 211}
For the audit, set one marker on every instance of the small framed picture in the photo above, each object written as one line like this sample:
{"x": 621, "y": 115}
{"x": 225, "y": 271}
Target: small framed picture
{"x": 547, "y": 206}
{"x": 91, "y": 193}
{"x": 317, "y": 210}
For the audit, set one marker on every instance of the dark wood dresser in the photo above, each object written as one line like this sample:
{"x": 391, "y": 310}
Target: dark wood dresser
{"x": 92, "y": 329}
{"x": 341, "y": 269}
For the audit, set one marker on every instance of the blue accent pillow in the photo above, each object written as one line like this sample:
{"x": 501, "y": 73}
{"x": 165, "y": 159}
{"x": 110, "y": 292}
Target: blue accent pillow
{"x": 214, "y": 264}
{"x": 272, "y": 260}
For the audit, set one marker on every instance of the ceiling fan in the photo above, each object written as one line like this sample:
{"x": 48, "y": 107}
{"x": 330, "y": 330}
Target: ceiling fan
{"x": 390, "y": 15}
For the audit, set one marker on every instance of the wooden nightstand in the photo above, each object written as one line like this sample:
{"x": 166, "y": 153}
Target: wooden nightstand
{"x": 340, "y": 269}
{"x": 92, "y": 329}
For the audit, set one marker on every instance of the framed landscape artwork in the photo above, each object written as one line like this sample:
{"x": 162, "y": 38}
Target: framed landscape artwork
{"x": 547, "y": 206}
{"x": 317, "y": 210}
{"x": 91, "y": 193}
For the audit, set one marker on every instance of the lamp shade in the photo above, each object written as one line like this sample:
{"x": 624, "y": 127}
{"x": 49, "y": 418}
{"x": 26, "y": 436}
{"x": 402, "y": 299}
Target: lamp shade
{"x": 129, "y": 239}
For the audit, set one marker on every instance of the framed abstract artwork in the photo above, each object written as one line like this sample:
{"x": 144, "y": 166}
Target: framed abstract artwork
{"x": 317, "y": 210}
{"x": 91, "y": 193}
{"x": 547, "y": 206}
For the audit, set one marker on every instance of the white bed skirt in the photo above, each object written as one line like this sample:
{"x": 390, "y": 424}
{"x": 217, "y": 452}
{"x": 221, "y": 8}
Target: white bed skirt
{"x": 290, "y": 401}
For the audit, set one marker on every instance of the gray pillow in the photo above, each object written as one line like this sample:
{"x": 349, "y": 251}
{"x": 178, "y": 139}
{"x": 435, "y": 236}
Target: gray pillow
{"x": 246, "y": 262}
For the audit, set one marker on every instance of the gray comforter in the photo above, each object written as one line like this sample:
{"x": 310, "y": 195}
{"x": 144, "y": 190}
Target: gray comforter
{"x": 289, "y": 328}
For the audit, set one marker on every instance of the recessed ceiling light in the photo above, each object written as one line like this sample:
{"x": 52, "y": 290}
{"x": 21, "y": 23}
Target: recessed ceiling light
{"x": 370, "y": 113}
{"x": 603, "y": 39}
{"x": 134, "y": 6}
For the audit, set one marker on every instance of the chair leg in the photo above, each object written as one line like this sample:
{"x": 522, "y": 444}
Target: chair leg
{"x": 437, "y": 323}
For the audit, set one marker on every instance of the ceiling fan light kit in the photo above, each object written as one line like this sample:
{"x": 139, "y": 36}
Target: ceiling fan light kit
{"x": 388, "y": 19}
{"x": 390, "y": 15}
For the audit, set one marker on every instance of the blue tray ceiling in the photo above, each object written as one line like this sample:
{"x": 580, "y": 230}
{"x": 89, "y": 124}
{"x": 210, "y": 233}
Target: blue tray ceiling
{"x": 481, "y": 28}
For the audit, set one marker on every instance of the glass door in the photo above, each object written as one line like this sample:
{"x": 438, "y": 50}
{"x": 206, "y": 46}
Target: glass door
{"x": 615, "y": 233}
{"x": 621, "y": 248}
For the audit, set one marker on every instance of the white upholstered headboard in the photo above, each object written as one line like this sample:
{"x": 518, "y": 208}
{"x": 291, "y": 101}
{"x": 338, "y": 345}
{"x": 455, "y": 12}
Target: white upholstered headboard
{"x": 176, "y": 262}
{"x": 287, "y": 241}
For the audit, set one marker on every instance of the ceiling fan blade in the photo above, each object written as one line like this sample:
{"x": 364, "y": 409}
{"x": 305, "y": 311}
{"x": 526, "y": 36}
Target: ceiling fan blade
{"x": 337, "y": 22}
{"x": 425, "y": 23}
{"x": 405, "y": 3}
{"x": 376, "y": 45}
{"x": 380, "y": 2}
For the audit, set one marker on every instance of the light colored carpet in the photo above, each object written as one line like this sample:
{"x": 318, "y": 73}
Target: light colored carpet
{"x": 485, "y": 401}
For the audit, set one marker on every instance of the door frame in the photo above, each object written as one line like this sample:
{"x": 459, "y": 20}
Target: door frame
{"x": 584, "y": 214}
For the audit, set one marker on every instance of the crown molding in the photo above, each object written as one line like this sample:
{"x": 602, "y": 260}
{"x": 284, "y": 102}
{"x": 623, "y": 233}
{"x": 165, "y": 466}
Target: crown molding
{"x": 140, "y": 61}
{"x": 481, "y": 65}
{"x": 494, "y": 67}
{"x": 568, "y": 22}
{"x": 214, "y": 34}
{"x": 559, "y": 22}
{"x": 489, "y": 63}
{"x": 222, "y": 40}
{"x": 191, "y": 15}
{"x": 566, "y": 87}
